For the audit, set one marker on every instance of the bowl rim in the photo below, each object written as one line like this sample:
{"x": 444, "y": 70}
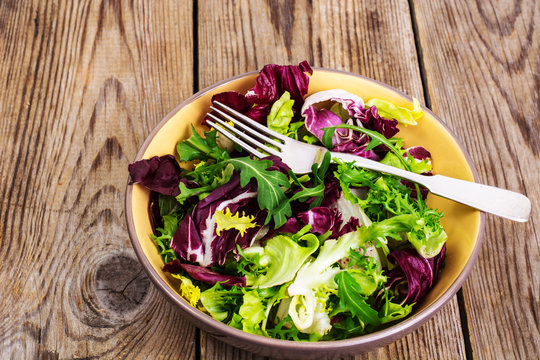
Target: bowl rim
{"x": 381, "y": 337}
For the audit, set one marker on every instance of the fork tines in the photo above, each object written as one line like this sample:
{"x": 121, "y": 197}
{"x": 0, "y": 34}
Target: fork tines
{"x": 254, "y": 136}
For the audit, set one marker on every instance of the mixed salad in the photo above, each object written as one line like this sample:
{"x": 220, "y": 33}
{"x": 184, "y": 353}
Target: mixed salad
{"x": 340, "y": 252}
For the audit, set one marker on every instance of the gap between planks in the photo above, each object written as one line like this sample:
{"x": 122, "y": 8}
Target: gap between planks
{"x": 427, "y": 100}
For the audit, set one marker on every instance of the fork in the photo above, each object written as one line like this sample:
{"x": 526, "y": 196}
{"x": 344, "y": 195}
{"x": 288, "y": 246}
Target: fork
{"x": 262, "y": 141}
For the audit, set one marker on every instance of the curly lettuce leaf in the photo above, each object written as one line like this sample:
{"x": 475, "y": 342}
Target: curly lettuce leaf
{"x": 189, "y": 291}
{"x": 225, "y": 220}
{"x": 222, "y": 303}
{"x": 165, "y": 234}
{"x": 314, "y": 281}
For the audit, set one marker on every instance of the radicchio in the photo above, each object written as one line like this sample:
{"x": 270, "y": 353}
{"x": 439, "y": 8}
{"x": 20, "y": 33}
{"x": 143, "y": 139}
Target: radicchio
{"x": 232, "y": 99}
{"x": 418, "y": 273}
{"x": 322, "y": 219}
{"x": 272, "y": 82}
{"x": 156, "y": 221}
{"x": 204, "y": 274}
{"x": 160, "y": 174}
{"x": 196, "y": 239}
{"x": 344, "y": 140}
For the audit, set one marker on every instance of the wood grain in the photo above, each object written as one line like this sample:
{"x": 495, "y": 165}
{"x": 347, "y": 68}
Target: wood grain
{"x": 83, "y": 82}
{"x": 482, "y": 64}
{"x": 240, "y": 36}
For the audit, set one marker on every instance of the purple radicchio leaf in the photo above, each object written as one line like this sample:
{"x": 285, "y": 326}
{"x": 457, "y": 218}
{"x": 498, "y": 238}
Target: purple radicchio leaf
{"x": 350, "y": 226}
{"x": 345, "y": 140}
{"x": 204, "y": 274}
{"x": 332, "y": 191}
{"x": 272, "y": 82}
{"x": 160, "y": 174}
{"x": 277, "y": 164}
{"x": 156, "y": 221}
{"x": 316, "y": 119}
{"x": 373, "y": 121}
{"x": 196, "y": 239}
{"x": 291, "y": 226}
{"x": 187, "y": 242}
{"x": 234, "y": 100}
{"x": 420, "y": 273}
{"x": 322, "y": 219}
{"x": 357, "y": 145}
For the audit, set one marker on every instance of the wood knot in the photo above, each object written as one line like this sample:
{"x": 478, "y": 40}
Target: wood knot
{"x": 121, "y": 284}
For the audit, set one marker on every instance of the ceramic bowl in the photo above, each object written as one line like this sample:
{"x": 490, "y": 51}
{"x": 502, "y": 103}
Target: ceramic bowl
{"x": 463, "y": 225}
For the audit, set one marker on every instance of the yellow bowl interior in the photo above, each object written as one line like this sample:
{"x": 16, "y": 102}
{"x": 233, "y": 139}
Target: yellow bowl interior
{"x": 461, "y": 223}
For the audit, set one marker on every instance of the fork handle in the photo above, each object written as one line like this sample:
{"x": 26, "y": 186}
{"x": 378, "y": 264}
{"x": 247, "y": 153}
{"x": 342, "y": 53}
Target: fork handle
{"x": 505, "y": 203}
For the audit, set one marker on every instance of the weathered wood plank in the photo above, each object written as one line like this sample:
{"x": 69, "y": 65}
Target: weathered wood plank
{"x": 241, "y": 36}
{"x": 482, "y": 64}
{"x": 83, "y": 82}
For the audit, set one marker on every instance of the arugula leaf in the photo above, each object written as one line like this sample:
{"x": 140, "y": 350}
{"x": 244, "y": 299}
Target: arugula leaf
{"x": 376, "y": 139}
{"x": 285, "y": 330}
{"x": 198, "y": 148}
{"x": 349, "y": 293}
{"x": 270, "y": 196}
{"x": 317, "y": 190}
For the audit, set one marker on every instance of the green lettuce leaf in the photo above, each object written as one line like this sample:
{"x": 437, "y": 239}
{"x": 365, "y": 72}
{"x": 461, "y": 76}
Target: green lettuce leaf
{"x": 253, "y": 312}
{"x": 402, "y": 115}
{"x": 391, "y": 311}
{"x": 415, "y": 166}
{"x": 281, "y": 114}
{"x": 284, "y": 257}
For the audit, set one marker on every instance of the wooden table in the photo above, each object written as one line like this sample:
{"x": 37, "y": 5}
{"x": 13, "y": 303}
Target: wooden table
{"x": 84, "y": 82}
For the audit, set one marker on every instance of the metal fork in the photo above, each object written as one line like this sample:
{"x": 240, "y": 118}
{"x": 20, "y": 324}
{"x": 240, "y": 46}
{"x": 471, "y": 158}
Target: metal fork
{"x": 261, "y": 141}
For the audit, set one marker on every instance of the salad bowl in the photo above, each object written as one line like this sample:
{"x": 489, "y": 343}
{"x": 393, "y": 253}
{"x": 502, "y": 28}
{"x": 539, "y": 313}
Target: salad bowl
{"x": 463, "y": 225}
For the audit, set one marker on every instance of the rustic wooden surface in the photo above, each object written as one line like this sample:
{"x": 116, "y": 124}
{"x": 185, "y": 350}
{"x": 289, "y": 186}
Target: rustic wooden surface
{"x": 83, "y": 82}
